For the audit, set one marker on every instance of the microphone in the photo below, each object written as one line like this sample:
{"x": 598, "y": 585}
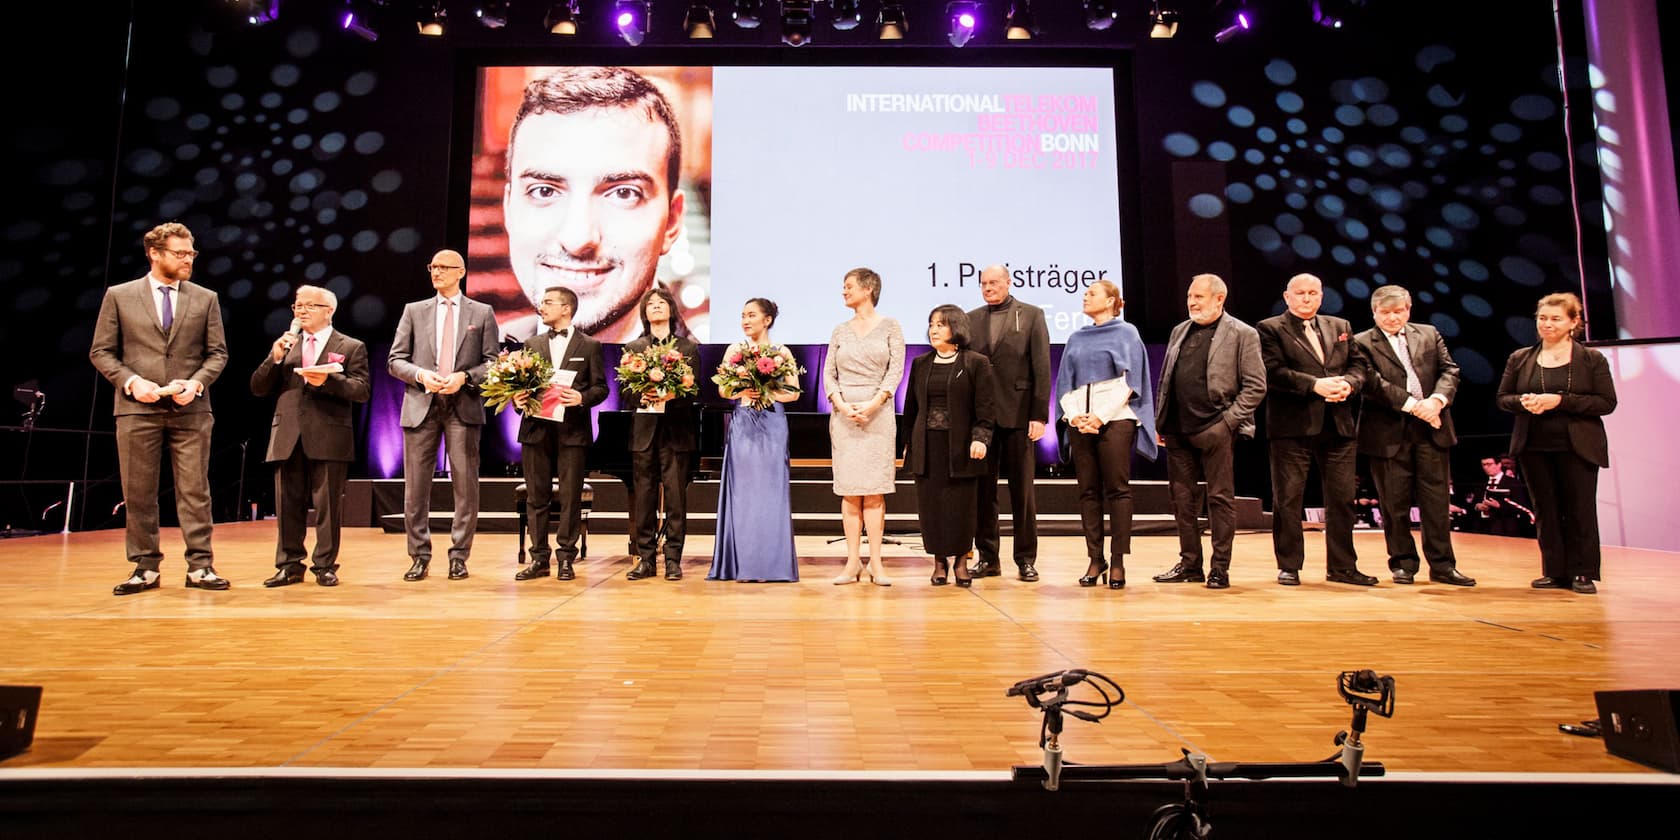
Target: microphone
{"x": 1048, "y": 683}
{"x": 297, "y": 327}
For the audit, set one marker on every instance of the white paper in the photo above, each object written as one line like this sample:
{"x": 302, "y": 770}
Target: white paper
{"x": 1108, "y": 400}
{"x": 547, "y": 410}
{"x": 330, "y": 367}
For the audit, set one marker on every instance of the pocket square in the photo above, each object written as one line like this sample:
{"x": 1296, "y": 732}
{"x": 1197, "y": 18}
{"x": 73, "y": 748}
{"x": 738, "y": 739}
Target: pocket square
{"x": 335, "y": 358}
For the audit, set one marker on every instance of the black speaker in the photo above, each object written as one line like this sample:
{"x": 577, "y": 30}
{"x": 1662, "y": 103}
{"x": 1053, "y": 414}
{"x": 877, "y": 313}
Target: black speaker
{"x": 1641, "y": 726}
{"x": 19, "y": 704}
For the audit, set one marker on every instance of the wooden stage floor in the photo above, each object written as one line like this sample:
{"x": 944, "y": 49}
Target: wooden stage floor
{"x": 604, "y": 673}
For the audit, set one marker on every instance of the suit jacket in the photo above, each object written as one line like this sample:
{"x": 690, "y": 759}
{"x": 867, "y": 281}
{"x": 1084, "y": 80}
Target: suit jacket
{"x": 1515, "y": 491}
{"x": 1382, "y": 418}
{"x": 414, "y": 349}
{"x": 682, "y": 421}
{"x": 1020, "y": 359}
{"x": 969, "y": 405}
{"x": 583, "y": 355}
{"x": 1292, "y": 408}
{"x": 1592, "y": 394}
{"x": 325, "y": 411}
{"x": 128, "y": 341}
{"x": 1236, "y": 380}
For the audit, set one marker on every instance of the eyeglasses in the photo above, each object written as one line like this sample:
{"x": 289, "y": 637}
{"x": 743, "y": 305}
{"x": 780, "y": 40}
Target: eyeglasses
{"x": 309, "y": 307}
{"x": 180, "y": 255}
{"x": 434, "y": 267}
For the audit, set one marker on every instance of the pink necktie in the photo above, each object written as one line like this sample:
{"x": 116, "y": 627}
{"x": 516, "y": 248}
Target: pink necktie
{"x": 446, "y": 352}
{"x": 309, "y": 352}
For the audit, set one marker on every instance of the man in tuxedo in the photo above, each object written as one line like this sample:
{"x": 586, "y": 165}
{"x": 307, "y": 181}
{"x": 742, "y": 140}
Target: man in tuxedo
{"x": 663, "y": 438}
{"x": 442, "y": 348}
{"x": 311, "y": 468}
{"x": 1405, "y": 430}
{"x": 159, "y": 340}
{"x": 1503, "y": 502}
{"x": 555, "y": 433}
{"x": 1013, "y": 335}
{"x": 1311, "y": 371}
{"x": 1211, "y": 384}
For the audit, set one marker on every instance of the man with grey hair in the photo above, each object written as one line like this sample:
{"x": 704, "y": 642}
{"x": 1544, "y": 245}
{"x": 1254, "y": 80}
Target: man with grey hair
{"x": 1405, "y": 430}
{"x": 1211, "y": 383}
{"x": 320, "y": 374}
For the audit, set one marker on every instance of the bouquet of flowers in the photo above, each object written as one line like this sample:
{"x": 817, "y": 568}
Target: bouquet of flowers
{"x": 657, "y": 373}
{"x": 761, "y": 368}
{"x": 513, "y": 373}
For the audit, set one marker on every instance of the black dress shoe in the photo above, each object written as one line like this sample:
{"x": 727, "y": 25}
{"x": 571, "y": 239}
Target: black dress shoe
{"x": 457, "y": 569}
{"x": 136, "y": 584}
{"x": 986, "y": 568}
{"x": 1402, "y": 576}
{"x": 1029, "y": 571}
{"x": 537, "y": 569}
{"x": 418, "y": 570}
{"x": 1288, "y": 577}
{"x": 673, "y": 570}
{"x": 210, "y": 581}
{"x": 1452, "y": 577}
{"x": 327, "y": 578}
{"x": 1584, "y": 585}
{"x": 1181, "y": 573}
{"x": 565, "y": 572}
{"x": 1218, "y": 580}
{"x": 1549, "y": 583}
{"x": 285, "y": 577}
{"x": 1353, "y": 576}
{"x": 642, "y": 570}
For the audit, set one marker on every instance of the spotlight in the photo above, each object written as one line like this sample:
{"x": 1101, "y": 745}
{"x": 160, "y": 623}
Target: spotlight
{"x": 1163, "y": 23}
{"x": 492, "y": 13}
{"x": 1021, "y": 25}
{"x": 1335, "y": 14}
{"x": 357, "y": 19}
{"x": 891, "y": 23}
{"x": 562, "y": 18}
{"x": 748, "y": 14}
{"x": 257, "y": 12}
{"x": 796, "y": 22}
{"x": 1099, "y": 14}
{"x": 847, "y": 15}
{"x": 1241, "y": 22}
{"x": 699, "y": 22}
{"x": 429, "y": 17}
{"x": 631, "y": 19}
{"x": 963, "y": 17}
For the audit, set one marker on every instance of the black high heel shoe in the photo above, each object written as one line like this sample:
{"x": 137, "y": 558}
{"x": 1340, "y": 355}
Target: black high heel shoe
{"x": 1094, "y": 573}
{"x": 965, "y": 578}
{"x": 1117, "y": 575}
{"x": 939, "y": 572}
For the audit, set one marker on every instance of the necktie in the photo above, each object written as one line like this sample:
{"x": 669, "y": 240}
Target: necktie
{"x": 168, "y": 310}
{"x": 309, "y": 351}
{"x": 1413, "y": 386}
{"x": 446, "y": 349}
{"x": 1313, "y": 341}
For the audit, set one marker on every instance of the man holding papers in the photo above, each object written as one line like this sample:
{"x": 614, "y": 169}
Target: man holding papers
{"x": 555, "y": 433}
{"x": 320, "y": 374}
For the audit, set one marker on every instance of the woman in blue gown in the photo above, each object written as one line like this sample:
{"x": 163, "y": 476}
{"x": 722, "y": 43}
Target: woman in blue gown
{"x": 754, "y": 517}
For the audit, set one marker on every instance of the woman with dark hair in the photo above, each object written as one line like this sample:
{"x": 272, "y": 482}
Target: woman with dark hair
{"x": 662, "y": 444}
{"x": 1105, "y": 358}
{"x": 1560, "y": 390}
{"x": 861, "y": 372}
{"x": 950, "y": 401}
{"x": 754, "y": 514}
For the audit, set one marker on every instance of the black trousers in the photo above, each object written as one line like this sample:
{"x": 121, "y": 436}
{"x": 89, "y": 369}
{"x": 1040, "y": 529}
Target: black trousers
{"x": 659, "y": 468}
{"x": 1564, "y": 487}
{"x": 1417, "y": 474}
{"x": 1102, "y": 466}
{"x": 1292, "y": 460}
{"x": 1012, "y": 457}
{"x": 299, "y": 483}
{"x": 542, "y": 464}
{"x": 1203, "y": 456}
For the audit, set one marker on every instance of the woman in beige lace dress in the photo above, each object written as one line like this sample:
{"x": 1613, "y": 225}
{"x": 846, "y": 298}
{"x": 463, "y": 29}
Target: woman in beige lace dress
{"x": 861, "y": 375}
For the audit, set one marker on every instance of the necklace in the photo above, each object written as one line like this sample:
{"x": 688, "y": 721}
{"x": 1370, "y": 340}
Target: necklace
{"x": 1568, "y": 378}
{"x": 950, "y": 355}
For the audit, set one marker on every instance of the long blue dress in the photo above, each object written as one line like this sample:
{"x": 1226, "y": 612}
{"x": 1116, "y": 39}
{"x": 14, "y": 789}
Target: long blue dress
{"x": 754, "y": 515}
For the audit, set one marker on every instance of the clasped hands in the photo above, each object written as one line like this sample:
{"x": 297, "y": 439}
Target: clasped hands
{"x": 1087, "y": 423}
{"x": 1333, "y": 388}
{"x": 146, "y": 391}
{"x": 860, "y": 413}
{"x": 1540, "y": 403}
{"x": 1428, "y": 410}
{"x": 436, "y": 384}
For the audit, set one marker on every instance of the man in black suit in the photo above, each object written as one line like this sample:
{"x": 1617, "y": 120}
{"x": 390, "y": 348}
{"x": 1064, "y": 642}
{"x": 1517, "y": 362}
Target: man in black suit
{"x": 663, "y": 438}
{"x": 1502, "y": 502}
{"x": 1405, "y": 430}
{"x": 551, "y": 448}
{"x": 1013, "y": 335}
{"x": 1211, "y": 383}
{"x": 313, "y": 439}
{"x": 159, "y": 340}
{"x": 1311, "y": 370}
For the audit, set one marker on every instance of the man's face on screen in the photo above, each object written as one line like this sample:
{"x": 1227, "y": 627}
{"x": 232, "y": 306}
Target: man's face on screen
{"x": 588, "y": 207}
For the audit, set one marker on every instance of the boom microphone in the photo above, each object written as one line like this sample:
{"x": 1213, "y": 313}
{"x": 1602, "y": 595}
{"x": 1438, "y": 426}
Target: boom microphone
{"x": 1048, "y": 683}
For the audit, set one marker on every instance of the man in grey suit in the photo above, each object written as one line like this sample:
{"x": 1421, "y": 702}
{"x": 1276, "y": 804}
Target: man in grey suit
{"x": 1211, "y": 384}
{"x": 1405, "y": 430}
{"x": 442, "y": 348}
{"x": 159, "y": 341}
{"x": 1014, "y": 337}
{"x": 310, "y": 469}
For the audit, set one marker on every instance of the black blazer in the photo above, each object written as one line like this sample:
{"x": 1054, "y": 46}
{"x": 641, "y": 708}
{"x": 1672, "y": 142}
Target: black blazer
{"x": 1592, "y": 394}
{"x": 324, "y": 412}
{"x": 1382, "y": 419}
{"x": 1292, "y": 409}
{"x": 583, "y": 355}
{"x": 682, "y": 418}
{"x": 971, "y": 410}
{"x": 1020, "y": 359}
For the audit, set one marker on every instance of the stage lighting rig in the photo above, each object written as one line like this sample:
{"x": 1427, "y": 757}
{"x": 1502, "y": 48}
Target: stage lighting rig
{"x": 699, "y": 21}
{"x": 963, "y": 18}
{"x": 796, "y": 22}
{"x": 891, "y": 24}
{"x": 257, "y": 12}
{"x": 847, "y": 15}
{"x": 358, "y": 18}
{"x": 493, "y": 14}
{"x": 748, "y": 14}
{"x": 430, "y": 17}
{"x": 1021, "y": 25}
{"x": 562, "y": 18}
{"x": 630, "y": 17}
{"x": 1100, "y": 14}
{"x": 1163, "y": 22}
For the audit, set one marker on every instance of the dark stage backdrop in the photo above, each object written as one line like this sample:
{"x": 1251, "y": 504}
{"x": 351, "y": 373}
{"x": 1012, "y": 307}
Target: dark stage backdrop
{"x": 1394, "y": 152}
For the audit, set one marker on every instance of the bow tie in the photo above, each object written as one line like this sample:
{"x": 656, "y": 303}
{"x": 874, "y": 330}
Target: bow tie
{"x": 562, "y": 333}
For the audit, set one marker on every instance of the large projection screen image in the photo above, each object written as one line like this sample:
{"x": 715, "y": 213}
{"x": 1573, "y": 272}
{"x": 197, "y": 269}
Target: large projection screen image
{"x": 787, "y": 178}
